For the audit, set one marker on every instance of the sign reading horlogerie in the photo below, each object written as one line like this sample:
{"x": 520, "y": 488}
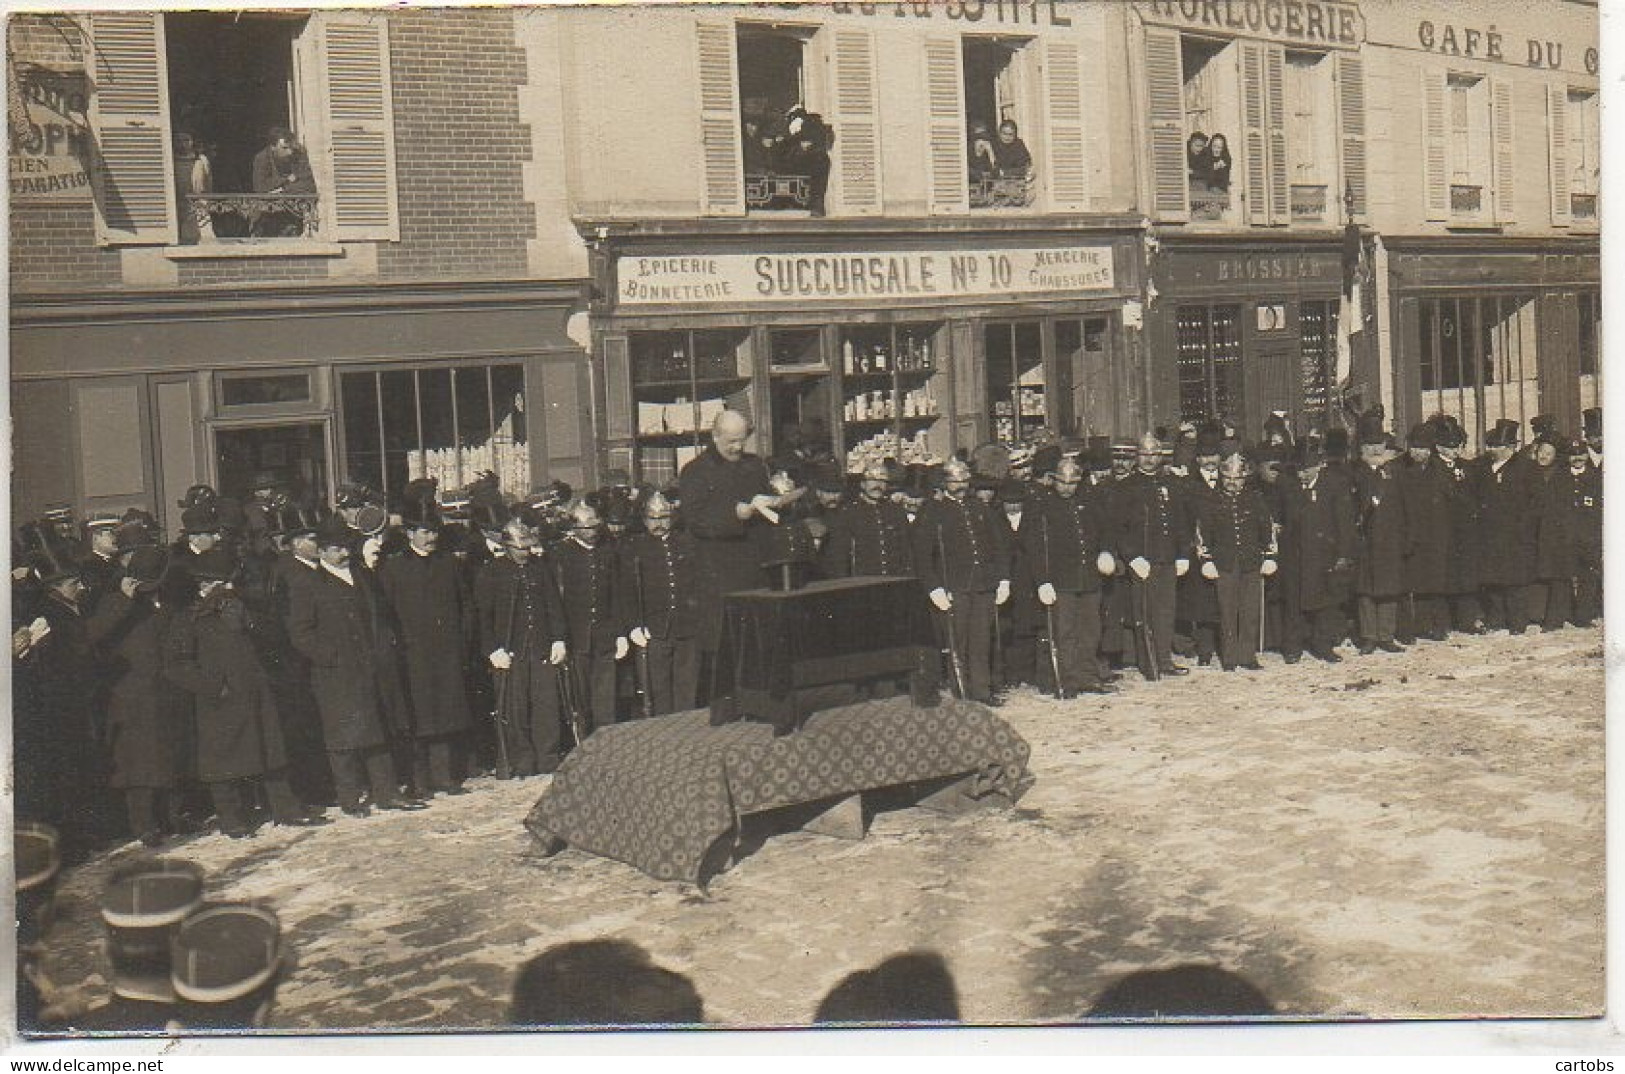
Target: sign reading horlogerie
{"x": 732, "y": 279}
{"x": 1326, "y": 23}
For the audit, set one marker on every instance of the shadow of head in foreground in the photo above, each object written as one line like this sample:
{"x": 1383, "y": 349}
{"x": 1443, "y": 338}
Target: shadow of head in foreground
{"x": 912, "y": 988}
{"x": 602, "y": 983}
{"x": 1193, "y": 990}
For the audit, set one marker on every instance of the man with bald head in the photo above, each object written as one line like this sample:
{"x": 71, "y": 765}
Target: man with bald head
{"x": 1154, "y": 539}
{"x": 727, "y": 502}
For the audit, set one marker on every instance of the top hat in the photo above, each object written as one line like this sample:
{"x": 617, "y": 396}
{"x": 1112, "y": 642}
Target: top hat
{"x": 215, "y": 565}
{"x": 142, "y": 906}
{"x": 1097, "y": 453}
{"x": 202, "y": 518}
{"x": 1308, "y": 452}
{"x": 1543, "y": 425}
{"x": 334, "y": 531}
{"x": 224, "y": 957}
{"x": 1591, "y": 418}
{"x": 49, "y": 556}
{"x": 1012, "y": 492}
{"x": 1207, "y": 441}
{"x": 1505, "y": 434}
{"x": 419, "y": 510}
{"x": 1336, "y": 442}
{"x": 1045, "y": 459}
{"x": 1422, "y": 436}
{"x": 198, "y": 495}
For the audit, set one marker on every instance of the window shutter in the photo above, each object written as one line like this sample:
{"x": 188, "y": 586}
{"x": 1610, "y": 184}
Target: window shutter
{"x": 1255, "y": 118}
{"x": 1275, "y": 99}
{"x": 129, "y": 113}
{"x": 1068, "y": 161}
{"x": 1505, "y": 160}
{"x": 857, "y": 123}
{"x": 360, "y": 119}
{"x": 945, "y": 127}
{"x": 1557, "y": 142}
{"x": 1351, "y": 118}
{"x": 1165, "y": 105}
{"x": 723, "y": 192}
{"x": 1436, "y": 145}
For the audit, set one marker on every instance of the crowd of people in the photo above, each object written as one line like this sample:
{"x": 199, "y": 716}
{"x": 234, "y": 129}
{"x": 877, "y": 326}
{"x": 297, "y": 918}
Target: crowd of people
{"x": 276, "y": 657}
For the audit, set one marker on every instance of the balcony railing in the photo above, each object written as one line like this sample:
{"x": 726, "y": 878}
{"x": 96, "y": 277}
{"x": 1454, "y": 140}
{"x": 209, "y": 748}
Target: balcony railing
{"x": 1209, "y": 205}
{"x": 1583, "y": 206}
{"x": 1308, "y": 202}
{"x": 777, "y": 191}
{"x": 255, "y": 216}
{"x": 996, "y": 192}
{"x": 1466, "y": 200}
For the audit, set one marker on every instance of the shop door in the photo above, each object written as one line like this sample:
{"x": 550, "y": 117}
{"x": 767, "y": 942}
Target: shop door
{"x": 293, "y": 456}
{"x": 1017, "y": 385}
{"x": 1083, "y": 373}
{"x": 1275, "y": 377}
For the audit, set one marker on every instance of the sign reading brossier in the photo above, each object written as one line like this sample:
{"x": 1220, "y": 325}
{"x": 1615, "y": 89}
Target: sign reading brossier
{"x": 728, "y": 279}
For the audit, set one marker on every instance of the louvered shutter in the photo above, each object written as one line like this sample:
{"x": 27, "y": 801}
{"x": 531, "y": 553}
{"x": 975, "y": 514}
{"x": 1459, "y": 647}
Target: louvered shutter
{"x": 1165, "y": 106}
{"x": 129, "y": 113}
{"x": 857, "y": 123}
{"x": 1557, "y": 143}
{"x": 945, "y": 127}
{"x": 360, "y": 118}
{"x": 1351, "y": 120}
{"x": 1505, "y": 159}
{"x": 1063, "y": 98}
{"x": 1436, "y": 145}
{"x": 1275, "y": 101}
{"x": 723, "y": 181}
{"x": 1255, "y": 118}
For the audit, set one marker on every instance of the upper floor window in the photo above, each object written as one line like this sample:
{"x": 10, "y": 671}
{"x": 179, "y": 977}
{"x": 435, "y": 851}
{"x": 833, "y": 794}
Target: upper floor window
{"x": 1211, "y": 94}
{"x": 1585, "y": 154}
{"x": 999, "y": 166}
{"x": 248, "y": 127}
{"x": 1311, "y": 136}
{"x": 785, "y": 147}
{"x": 1469, "y": 145}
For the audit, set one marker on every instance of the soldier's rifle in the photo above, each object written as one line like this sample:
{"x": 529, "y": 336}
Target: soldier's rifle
{"x": 499, "y": 717}
{"x": 1049, "y": 613}
{"x": 954, "y": 665}
{"x": 569, "y": 689}
{"x": 646, "y": 699}
{"x": 1149, "y": 667}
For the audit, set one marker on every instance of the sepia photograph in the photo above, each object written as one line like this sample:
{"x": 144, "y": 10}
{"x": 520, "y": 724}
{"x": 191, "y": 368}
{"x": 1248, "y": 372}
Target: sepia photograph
{"x": 923, "y": 513}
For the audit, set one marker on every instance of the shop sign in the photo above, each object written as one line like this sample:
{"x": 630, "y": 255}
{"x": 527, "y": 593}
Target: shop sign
{"x": 1322, "y": 23}
{"x": 50, "y": 134}
{"x": 1488, "y": 43}
{"x": 738, "y": 279}
{"x": 1242, "y": 271}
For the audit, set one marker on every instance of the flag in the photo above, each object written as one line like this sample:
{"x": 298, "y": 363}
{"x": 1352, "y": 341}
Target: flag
{"x": 1350, "y": 308}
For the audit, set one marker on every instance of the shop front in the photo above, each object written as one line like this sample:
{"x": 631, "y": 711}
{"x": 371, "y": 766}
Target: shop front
{"x": 125, "y": 401}
{"x": 867, "y": 345}
{"x": 1240, "y": 329}
{"x": 1492, "y": 328}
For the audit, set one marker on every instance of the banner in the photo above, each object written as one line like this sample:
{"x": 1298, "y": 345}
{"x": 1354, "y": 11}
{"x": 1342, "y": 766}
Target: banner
{"x": 735, "y": 279}
{"x": 50, "y": 133}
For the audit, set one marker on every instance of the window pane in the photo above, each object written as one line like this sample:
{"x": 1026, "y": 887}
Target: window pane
{"x": 363, "y": 440}
{"x": 509, "y": 441}
{"x": 398, "y": 388}
{"x": 439, "y": 448}
{"x": 1590, "y": 319}
{"x": 473, "y": 422}
{"x": 259, "y": 391}
{"x": 1449, "y": 345}
{"x": 1317, "y": 322}
{"x": 1191, "y": 345}
{"x": 1427, "y": 355}
{"x": 1227, "y": 393}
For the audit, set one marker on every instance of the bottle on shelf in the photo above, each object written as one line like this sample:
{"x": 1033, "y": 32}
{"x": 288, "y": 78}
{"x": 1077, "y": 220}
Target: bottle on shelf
{"x": 880, "y": 358}
{"x": 846, "y": 355}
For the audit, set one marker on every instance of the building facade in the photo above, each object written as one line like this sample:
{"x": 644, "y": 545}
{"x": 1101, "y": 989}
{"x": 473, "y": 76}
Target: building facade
{"x": 402, "y": 309}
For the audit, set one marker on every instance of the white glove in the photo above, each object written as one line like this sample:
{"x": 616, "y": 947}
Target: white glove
{"x": 1046, "y": 593}
{"x": 1210, "y": 571}
{"x": 1105, "y": 564}
{"x": 1002, "y": 594}
{"x": 1181, "y": 566}
{"x": 1141, "y": 567}
{"x": 127, "y": 586}
{"x": 556, "y": 654}
{"x": 502, "y": 660}
{"x": 940, "y": 597}
{"x": 1267, "y": 568}
{"x": 639, "y": 636}
{"x": 621, "y": 648}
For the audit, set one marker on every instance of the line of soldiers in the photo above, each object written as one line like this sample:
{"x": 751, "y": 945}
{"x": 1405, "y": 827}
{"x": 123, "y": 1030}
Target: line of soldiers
{"x": 281, "y": 656}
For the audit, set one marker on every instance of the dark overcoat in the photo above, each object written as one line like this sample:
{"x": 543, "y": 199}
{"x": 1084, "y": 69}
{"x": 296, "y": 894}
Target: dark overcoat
{"x": 1379, "y": 504}
{"x": 729, "y": 558}
{"x": 1318, "y": 531}
{"x": 344, "y": 632}
{"x": 668, "y": 571}
{"x": 209, "y": 653}
{"x": 434, "y": 618}
{"x": 868, "y": 539}
{"x": 1506, "y": 522}
{"x": 149, "y": 718}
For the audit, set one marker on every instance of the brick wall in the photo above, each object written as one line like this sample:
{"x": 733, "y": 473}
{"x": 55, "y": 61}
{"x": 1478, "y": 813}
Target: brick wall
{"x": 55, "y": 243}
{"x": 459, "y": 146}
{"x": 266, "y": 270}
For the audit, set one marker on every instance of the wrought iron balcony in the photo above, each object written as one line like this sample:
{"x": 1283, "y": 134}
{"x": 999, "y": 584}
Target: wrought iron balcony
{"x": 1466, "y": 200}
{"x": 1001, "y": 192}
{"x": 1583, "y": 206}
{"x": 256, "y": 216}
{"x": 1308, "y": 202}
{"x": 764, "y": 191}
{"x": 1210, "y": 205}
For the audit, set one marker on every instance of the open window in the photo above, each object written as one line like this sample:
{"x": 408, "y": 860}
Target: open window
{"x": 1585, "y": 155}
{"x": 998, "y": 74}
{"x": 1212, "y": 94}
{"x": 784, "y": 143}
{"x": 1311, "y": 136}
{"x": 1470, "y": 151}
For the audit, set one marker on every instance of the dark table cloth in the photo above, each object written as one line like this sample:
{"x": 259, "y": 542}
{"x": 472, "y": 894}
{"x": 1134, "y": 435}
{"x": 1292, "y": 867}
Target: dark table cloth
{"x": 840, "y": 631}
{"x": 659, "y": 793}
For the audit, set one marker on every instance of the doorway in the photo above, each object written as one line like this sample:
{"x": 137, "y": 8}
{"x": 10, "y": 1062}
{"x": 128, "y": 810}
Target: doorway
{"x": 291, "y": 456}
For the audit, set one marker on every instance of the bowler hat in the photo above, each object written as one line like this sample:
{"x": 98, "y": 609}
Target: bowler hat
{"x": 215, "y": 565}
{"x": 203, "y": 518}
{"x": 335, "y": 532}
{"x": 1045, "y": 459}
{"x": 1422, "y": 436}
{"x": 1013, "y": 492}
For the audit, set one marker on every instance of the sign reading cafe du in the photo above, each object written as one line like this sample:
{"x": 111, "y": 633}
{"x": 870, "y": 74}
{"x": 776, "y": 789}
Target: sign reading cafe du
{"x": 1324, "y": 23}
{"x": 727, "y": 279}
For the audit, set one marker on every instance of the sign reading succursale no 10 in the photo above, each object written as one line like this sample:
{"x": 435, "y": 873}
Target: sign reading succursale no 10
{"x": 738, "y": 279}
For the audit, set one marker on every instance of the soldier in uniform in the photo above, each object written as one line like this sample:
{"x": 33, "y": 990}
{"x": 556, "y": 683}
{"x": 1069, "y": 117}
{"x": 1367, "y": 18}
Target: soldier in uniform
{"x": 1235, "y": 538}
{"x": 869, "y": 537}
{"x": 659, "y": 578}
{"x": 1507, "y": 530}
{"x": 1319, "y": 545}
{"x": 522, "y": 632}
{"x": 434, "y": 618}
{"x": 1154, "y": 538}
{"x": 589, "y": 580}
{"x": 342, "y": 625}
{"x": 963, "y": 555}
{"x": 1380, "y": 504}
{"x": 100, "y": 568}
{"x": 1064, "y": 543}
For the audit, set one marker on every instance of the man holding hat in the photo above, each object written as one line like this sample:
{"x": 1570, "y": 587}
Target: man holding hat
{"x": 434, "y": 617}
{"x": 869, "y": 537}
{"x": 342, "y": 626}
{"x": 660, "y": 595}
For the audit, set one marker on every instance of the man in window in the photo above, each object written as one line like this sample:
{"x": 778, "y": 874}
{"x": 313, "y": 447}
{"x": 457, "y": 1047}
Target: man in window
{"x": 282, "y": 168}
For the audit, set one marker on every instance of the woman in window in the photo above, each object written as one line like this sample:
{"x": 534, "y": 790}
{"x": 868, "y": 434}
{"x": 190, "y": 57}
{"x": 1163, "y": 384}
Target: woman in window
{"x": 984, "y": 161}
{"x": 1196, "y": 161}
{"x": 1218, "y": 164}
{"x": 1010, "y": 153}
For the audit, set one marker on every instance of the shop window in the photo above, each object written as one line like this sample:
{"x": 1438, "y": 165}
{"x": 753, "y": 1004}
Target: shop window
{"x": 1317, "y": 329}
{"x": 997, "y": 72}
{"x": 1479, "y": 359}
{"x": 891, "y": 393}
{"x": 785, "y": 148}
{"x": 1470, "y": 147}
{"x": 1311, "y": 136}
{"x": 1208, "y": 352}
{"x": 214, "y": 93}
{"x": 1017, "y": 387}
{"x": 1589, "y": 342}
{"x": 1212, "y": 95}
{"x": 681, "y": 380}
{"x": 263, "y": 389}
{"x": 1584, "y": 155}
{"x": 446, "y": 423}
